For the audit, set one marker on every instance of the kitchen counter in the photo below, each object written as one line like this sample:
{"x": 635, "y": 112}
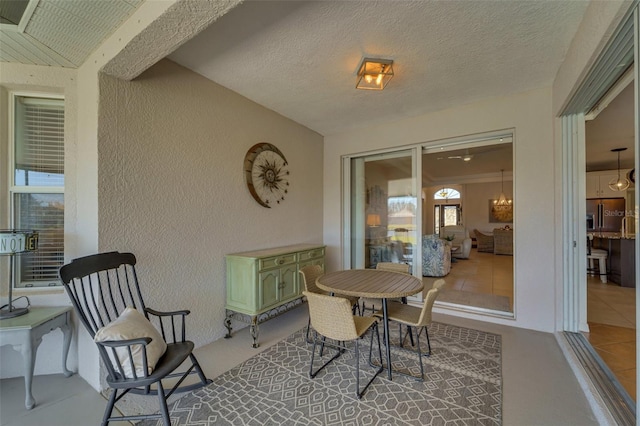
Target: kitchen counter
{"x": 612, "y": 236}
{"x": 621, "y": 257}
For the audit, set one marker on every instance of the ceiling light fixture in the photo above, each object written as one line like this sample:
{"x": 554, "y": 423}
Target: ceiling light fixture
{"x": 374, "y": 74}
{"x": 502, "y": 200}
{"x": 619, "y": 184}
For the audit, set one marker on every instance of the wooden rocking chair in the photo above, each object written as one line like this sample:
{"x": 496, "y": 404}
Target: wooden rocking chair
{"x": 103, "y": 288}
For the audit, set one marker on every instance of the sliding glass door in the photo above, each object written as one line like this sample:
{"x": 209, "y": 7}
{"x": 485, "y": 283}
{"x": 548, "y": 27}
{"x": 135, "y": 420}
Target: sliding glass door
{"x": 460, "y": 183}
{"x": 384, "y": 209}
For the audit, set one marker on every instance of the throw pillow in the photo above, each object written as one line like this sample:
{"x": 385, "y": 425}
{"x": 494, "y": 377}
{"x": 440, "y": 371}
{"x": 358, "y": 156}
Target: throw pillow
{"x": 131, "y": 324}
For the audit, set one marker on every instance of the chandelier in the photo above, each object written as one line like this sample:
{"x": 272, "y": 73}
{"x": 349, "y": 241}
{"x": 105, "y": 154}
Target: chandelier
{"x": 502, "y": 200}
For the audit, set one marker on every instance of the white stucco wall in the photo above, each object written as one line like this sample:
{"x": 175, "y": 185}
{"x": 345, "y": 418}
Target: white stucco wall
{"x": 172, "y": 189}
{"x": 45, "y": 80}
{"x": 147, "y": 31}
{"x": 529, "y": 114}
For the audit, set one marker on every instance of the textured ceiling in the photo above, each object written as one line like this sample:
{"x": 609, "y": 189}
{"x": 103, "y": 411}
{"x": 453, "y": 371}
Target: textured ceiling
{"x": 300, "y": 58}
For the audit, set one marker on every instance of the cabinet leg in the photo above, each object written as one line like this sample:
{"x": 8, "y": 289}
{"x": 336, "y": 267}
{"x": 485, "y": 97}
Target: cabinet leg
{"x": 254, "y": 331}
{"x": 227, "y": 323}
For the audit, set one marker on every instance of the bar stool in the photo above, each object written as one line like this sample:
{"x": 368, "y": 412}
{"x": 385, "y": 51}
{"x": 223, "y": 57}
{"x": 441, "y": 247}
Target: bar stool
{"x": 596, "y": 254}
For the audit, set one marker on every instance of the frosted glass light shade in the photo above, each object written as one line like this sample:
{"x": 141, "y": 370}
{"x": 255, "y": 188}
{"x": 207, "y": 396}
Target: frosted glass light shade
{"x": 373, "y": 220}
{"x": 374, "y": 74}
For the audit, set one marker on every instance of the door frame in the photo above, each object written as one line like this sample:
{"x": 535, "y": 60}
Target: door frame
{"x": 598, "y": 81}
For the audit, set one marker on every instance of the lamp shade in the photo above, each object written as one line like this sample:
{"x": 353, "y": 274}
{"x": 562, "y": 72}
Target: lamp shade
{"x": 373, "y": 220}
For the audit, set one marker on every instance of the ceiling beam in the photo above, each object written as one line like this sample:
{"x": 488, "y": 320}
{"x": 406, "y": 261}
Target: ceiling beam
{"x": 179, "y": 23}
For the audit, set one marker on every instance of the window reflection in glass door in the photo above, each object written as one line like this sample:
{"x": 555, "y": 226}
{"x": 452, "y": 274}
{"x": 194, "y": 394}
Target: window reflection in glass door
{"x": 383, "y": 210}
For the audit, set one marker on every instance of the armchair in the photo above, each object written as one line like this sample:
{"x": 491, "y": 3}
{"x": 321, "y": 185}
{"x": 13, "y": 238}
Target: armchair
{"x": 461, "y": 240}
{"x": 436, "y": 256}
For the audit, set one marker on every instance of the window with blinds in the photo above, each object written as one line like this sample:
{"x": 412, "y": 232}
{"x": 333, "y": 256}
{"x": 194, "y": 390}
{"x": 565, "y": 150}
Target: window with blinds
{"x": 38, "y": 187}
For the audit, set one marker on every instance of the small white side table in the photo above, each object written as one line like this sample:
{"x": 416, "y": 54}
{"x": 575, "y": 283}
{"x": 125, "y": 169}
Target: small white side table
{"x": 25, "y": 333}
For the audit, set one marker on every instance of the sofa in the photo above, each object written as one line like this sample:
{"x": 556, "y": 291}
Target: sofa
{"x": 461, "y": 239}
{"x": 436, "y": 256}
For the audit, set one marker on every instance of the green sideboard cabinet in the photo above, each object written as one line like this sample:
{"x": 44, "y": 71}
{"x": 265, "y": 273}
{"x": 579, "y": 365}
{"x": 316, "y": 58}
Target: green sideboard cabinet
{"x": 262, "y": 284}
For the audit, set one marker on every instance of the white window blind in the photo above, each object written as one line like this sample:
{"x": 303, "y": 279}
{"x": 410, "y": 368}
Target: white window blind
{"x": 38, "y": 187}
{"x": 39, "y": 148}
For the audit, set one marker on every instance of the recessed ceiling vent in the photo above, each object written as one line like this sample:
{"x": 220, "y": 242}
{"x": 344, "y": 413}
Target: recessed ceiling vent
{"x": 11, "y": 11}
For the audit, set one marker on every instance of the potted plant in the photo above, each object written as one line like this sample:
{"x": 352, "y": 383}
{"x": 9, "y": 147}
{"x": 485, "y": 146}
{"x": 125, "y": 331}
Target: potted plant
{"x": 449, "y": 238}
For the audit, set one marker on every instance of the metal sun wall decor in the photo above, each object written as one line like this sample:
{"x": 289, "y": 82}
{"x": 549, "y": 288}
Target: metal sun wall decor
{"x": 266, "y": 174}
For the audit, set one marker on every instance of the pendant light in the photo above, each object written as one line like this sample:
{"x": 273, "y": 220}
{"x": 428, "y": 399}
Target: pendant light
{"x": 619, "y": 184}
{"x": 502, "y": 200}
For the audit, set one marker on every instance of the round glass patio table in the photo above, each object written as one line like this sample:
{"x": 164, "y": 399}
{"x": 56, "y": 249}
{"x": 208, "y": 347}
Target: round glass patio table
{"x": 372, "y": 283}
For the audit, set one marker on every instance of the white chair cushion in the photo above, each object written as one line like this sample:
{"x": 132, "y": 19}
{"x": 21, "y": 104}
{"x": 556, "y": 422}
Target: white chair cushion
{"x": 598, "y": 252}
{"x": 131, "y": 324}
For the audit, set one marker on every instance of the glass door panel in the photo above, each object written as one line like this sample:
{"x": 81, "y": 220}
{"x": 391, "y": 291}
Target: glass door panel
{"x": 384, "y": 209}
{"x": 462, "y": 183}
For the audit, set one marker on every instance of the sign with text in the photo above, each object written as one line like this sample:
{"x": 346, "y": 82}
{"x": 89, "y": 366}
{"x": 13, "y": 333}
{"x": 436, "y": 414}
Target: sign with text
{"x": 12, "y": 242}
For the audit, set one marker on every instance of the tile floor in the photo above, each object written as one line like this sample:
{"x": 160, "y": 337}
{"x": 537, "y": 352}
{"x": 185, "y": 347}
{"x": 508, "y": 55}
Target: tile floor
{"x": 539, "y": 387}
{"x": 484, "y": 275}
{"x": 611, "y": 315}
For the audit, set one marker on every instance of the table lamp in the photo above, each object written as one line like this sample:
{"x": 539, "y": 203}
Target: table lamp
{"x": 14, "y": 242}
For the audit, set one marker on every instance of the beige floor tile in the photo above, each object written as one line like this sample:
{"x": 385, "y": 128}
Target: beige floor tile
{"x": 612, "y": 321}
{"x": 627, "y": 379}
{"x": 507, "y": 293}
{"x": 615, "y": 362}
{"x": 604, "y": 334}
{"x": 503, "y": 289}
{"x": 623, "y": 350}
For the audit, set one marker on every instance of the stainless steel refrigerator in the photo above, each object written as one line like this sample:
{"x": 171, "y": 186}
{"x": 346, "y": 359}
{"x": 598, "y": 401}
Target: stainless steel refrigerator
{"x": 605, "y": 214}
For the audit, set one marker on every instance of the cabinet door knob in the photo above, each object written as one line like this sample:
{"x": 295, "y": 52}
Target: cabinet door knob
{"x": 281, "y": 261}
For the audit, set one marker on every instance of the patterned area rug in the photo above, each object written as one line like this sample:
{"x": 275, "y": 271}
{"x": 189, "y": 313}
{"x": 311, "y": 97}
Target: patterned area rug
{"x": 463, "y": 386}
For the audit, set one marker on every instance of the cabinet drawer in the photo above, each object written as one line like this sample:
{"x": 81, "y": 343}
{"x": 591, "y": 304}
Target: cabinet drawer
{"x": 312, "y": 254}
{"x": 271, "y": 262}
